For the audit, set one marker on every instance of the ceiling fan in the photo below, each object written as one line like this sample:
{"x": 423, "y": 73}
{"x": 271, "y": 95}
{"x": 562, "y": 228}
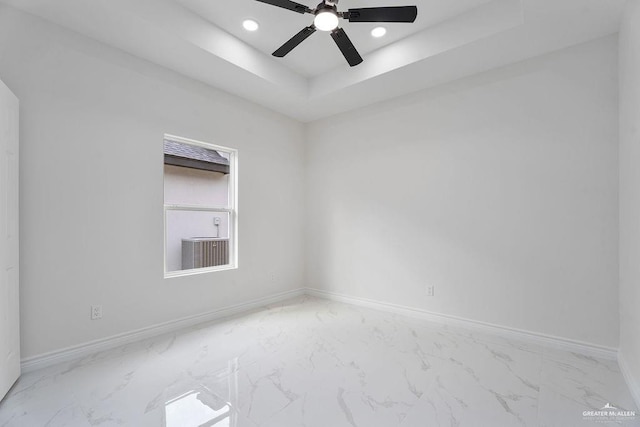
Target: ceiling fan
{"x": 327, "y": 19}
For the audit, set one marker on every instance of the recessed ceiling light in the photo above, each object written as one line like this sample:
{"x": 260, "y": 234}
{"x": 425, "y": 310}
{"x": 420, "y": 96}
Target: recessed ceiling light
{"x": 250, "y": 25}
{"x": 378, "y": 32}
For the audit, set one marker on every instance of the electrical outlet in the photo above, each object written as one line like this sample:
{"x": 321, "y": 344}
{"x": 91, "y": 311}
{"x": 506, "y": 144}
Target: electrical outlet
{"x": 96, "y": 312}
{"x": 431, "y": 291}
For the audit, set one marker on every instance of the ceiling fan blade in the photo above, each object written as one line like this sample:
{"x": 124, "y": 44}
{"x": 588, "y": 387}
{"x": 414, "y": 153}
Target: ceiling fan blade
{"x": 294, "y": 41}
{"x": 346, "y": 47}
{"x": 287, "y": 4}
{"x": 383, "y": 14}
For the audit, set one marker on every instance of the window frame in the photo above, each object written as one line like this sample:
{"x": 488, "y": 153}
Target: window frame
{"x": 231, "y": 209}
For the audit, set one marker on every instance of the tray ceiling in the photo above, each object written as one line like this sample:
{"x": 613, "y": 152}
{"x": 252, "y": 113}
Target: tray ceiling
{"x": 451, "y": 39}
{"x": 319, "y": 54}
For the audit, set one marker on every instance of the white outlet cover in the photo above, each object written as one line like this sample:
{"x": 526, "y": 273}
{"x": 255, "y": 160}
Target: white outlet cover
{"x": 96, "y": 312}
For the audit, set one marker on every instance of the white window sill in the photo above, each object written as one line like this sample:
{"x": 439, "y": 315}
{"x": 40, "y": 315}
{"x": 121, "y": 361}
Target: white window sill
{"x": 181, "y": 273}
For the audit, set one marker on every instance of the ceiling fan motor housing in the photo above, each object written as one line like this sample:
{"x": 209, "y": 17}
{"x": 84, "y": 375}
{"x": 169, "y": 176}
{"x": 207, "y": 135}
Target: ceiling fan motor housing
{"x": 326, "y": 6}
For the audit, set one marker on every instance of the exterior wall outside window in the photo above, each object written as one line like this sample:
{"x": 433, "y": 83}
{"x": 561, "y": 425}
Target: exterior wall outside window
{"x": 185, "y": 186}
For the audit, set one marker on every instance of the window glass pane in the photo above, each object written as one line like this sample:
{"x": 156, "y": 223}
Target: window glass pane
{"x": 197, "y": 239}
{"x": 199, "y": 185}
{"x": 195, "y": 176}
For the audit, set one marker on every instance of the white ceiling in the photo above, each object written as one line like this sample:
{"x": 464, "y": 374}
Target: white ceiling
{"x": 204, "y": 40}
{"x": 319, "y": 54}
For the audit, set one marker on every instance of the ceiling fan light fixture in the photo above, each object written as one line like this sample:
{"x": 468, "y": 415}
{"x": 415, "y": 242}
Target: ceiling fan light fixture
{"x": 250, "y": 25}
{"x": 326, "y": 20}
{"x": 378, "y": 32}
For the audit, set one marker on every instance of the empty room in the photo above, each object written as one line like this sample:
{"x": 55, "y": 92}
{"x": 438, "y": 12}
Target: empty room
{"x": 275, "y": 213}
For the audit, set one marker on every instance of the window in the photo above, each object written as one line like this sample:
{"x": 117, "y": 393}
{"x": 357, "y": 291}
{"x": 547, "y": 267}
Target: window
{"x": 200, "y": 207}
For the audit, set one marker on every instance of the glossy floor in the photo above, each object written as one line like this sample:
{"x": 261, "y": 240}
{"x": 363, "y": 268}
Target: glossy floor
{"x": 314, "y": 363}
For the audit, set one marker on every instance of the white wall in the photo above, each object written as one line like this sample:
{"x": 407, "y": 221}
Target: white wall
{"x": 93, "y": 121}
{"x": 499, "y": 189}
{"x": 630, "y": 192}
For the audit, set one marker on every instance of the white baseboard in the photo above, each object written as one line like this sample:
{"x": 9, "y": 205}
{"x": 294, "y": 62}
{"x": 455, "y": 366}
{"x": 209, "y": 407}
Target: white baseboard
{"x": 83, "y": 350}
{"x": 520, "y": 335}
{"x": 632, "y": 382}
{"x": 86, "y": 349}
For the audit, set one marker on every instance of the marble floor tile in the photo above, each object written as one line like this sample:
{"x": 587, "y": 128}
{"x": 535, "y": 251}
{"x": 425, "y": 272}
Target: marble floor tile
{"x": 482, "y": 384}
{"x": 316, "y": 363}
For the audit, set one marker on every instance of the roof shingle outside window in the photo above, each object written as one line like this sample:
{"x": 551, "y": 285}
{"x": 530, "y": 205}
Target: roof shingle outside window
{"x": 194, "y": 157}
